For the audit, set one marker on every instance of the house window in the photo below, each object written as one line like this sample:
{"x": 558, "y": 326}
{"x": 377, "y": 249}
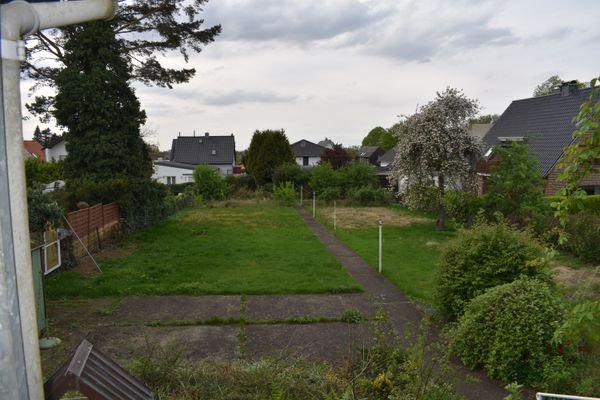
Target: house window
{"x": 214, "y": 152}
{"x": 170, "y": 180}
{"x": 305, "y": 161}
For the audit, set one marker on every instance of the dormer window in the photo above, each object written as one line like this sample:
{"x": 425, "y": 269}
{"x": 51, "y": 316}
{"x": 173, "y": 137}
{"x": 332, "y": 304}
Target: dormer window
{"x": 213, "y": 152}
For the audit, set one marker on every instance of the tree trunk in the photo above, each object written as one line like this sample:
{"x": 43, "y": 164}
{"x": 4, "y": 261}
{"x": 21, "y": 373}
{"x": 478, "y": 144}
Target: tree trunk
{"x": 441, "y": 221}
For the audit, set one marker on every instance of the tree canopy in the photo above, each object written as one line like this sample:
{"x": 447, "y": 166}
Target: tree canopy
{"x": 437, "y": 149}
{"x": 98, "y": 108}
{"x": 381, "y": 137}
{"x": 547, "y": 87}
{"x": 143, "y": 29}
{"x": 516, "y": 187}
{"x": 268, "y": 149}
{"x": 337, "y": 157}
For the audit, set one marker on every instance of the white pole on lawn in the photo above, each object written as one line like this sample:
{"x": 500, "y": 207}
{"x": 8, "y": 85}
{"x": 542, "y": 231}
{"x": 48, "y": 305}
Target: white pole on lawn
{"x": 314, "y": 204}
{"x": 334, "y": 216}
{"x": 20, "y": 368}
{"x": 380, "y": 242}
{"x": 301, "y": 194}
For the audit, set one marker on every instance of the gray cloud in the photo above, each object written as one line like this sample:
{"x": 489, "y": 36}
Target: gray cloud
{"x": 291, "y": 21}
{"x": 408, "y": 30}
{"x": 243, "y": 96}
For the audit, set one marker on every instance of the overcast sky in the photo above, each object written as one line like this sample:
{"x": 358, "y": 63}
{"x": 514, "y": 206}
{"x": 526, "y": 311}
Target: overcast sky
{"x": 338, "y": 68}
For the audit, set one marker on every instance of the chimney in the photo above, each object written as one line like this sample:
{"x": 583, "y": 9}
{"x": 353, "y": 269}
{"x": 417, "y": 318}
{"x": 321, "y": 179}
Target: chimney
{"x": 205, "y": 133}
{"x": 194, "y": 133}
{"x": 568, "y": 88}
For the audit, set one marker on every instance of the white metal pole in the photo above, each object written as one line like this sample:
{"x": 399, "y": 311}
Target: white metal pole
{"x": 334, "y": 216}
{"x": 20, "y": 369}
{"x": 380, "y": 242}
{"x": 314, "y": 204}
{"x": 301, "y": 194}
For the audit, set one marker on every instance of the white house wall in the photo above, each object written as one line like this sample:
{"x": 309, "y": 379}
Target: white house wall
{"x": 58, "y": 152}
{"x": 181, "y": 175}
{"x": 312, "y": 161}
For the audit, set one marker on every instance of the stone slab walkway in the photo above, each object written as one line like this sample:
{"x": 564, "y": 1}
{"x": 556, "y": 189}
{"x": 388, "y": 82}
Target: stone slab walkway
{"x": 402, "y": 313}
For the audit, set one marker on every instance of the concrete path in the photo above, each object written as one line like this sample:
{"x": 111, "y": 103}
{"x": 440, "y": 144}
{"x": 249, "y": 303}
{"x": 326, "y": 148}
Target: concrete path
{"x": 402, "y": 312}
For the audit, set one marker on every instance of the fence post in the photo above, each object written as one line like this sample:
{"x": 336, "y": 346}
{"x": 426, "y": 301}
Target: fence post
{"x": 334, "y": 216}
{"x": 380, "y": 243}
{"x": 314, "y": 204}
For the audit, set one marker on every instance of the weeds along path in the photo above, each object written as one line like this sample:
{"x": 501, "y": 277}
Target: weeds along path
{"x": 403, "y": 314}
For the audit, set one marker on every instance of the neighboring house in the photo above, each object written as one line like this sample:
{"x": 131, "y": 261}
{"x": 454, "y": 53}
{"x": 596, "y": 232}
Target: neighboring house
{"x": 56, "y": 149}
{"x": 327, "y": 143}
{"x": 545, "y": 123}
{"x": 307, "y": 154}
{"x": 33, "y": 149}
{"x": 384, "y": 169}
{"x": 478, "y": 131}
{"x": 370, "y": 155}
{"x": 189, "y": 151}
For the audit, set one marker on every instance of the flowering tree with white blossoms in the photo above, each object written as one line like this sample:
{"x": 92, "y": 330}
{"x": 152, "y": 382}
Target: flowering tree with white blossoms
{"x": 437, "y": 150}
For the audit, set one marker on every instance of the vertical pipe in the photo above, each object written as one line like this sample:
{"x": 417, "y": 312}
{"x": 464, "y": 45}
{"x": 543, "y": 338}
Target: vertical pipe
{"x": 20, "y": 369}
{"x": 314, "y": 204}
{"x": 334, "y": 215}
{"x": 380, "y": 243}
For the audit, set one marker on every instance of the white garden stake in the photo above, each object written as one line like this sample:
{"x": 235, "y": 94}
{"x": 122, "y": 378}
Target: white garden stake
{"x": 334, "y": 216}
{"x": 314, "y": 204}
{"x": 380, "y": 242}
{"x": 301, "y": 195}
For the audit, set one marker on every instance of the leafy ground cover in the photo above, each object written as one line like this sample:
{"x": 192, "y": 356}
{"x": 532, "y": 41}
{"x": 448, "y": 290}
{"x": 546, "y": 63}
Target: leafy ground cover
{"x": 411, "y": 245}
{"x": 252, "y": 249}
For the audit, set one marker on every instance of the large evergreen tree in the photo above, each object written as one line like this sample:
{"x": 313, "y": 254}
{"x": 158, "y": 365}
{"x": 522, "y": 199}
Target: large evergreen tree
{"x": 268, "y": 150}
{"x": 98, "y": 108}
{"x": 143, "y": 29}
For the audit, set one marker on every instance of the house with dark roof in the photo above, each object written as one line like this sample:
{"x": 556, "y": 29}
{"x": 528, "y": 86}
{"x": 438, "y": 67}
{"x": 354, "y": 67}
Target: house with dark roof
{"x": 370, "y": 154}
{"x": 545, "y": 123}
{"x": 189, "y": 151}
{"x": 307, "y": 154}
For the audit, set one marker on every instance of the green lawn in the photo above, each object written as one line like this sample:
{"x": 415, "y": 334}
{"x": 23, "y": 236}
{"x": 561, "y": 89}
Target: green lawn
{"x": 255, "y": 249}
{"x": 411, "y": 251}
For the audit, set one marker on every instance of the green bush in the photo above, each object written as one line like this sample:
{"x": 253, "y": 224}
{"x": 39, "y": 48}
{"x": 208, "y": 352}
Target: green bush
{"x": 180, "y": 187}
{"x": 584, "y": 236}
{"x": 38, "y": 171}
{"x": 284, "y": 194}
{"x": 324, "y": 177}
{"x": 291, "y": 172}
{"x": 480, "y": 258}
{"x": 508, "y": 330}
{"x": 461, "y": 206}
{"x": 587, "y": 203}
{"x": 367, "y": 196}
{"x": 331, "y": 194}
{"x": 358, "y": 176}
{"x": 209, "y": 184}
{"x": 42, "y": 210}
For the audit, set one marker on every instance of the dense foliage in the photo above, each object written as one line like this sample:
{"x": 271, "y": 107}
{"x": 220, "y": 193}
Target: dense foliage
{"x": 98, "y": 108}
{"x": 284, "y": 194}
{"x": 480, "y": 258}
{"x": 268, "y": 149}
{"x": 291, "y": 172}
{"x": 583, "y": 230}
{"x": 142, "y": 29}
{"x": 515, "y": 187}
{"x": 381, "y": 137}
{"x": 42, "y": 210}
{"x": 209, "y": 183}
{"x": 508, "y": 330}
{"x": 38, "y": 171}
{"x": 338, "y": 157}
{"x": 437, "y": 148}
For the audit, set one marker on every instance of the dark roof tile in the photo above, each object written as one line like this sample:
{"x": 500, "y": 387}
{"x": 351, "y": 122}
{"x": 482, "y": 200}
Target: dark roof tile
{"x": 203, "y": 150}
{"x": 305, "y": 148}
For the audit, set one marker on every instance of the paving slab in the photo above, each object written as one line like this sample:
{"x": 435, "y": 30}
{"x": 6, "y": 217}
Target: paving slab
{"x": 136, "y": 309}
{"x": 195, "y": 342}
{"x": 333, "y": 342}
{"x": 281, "y": 307}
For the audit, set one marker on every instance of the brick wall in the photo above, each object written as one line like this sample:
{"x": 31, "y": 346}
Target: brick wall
{"x": 553, "y": 186}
